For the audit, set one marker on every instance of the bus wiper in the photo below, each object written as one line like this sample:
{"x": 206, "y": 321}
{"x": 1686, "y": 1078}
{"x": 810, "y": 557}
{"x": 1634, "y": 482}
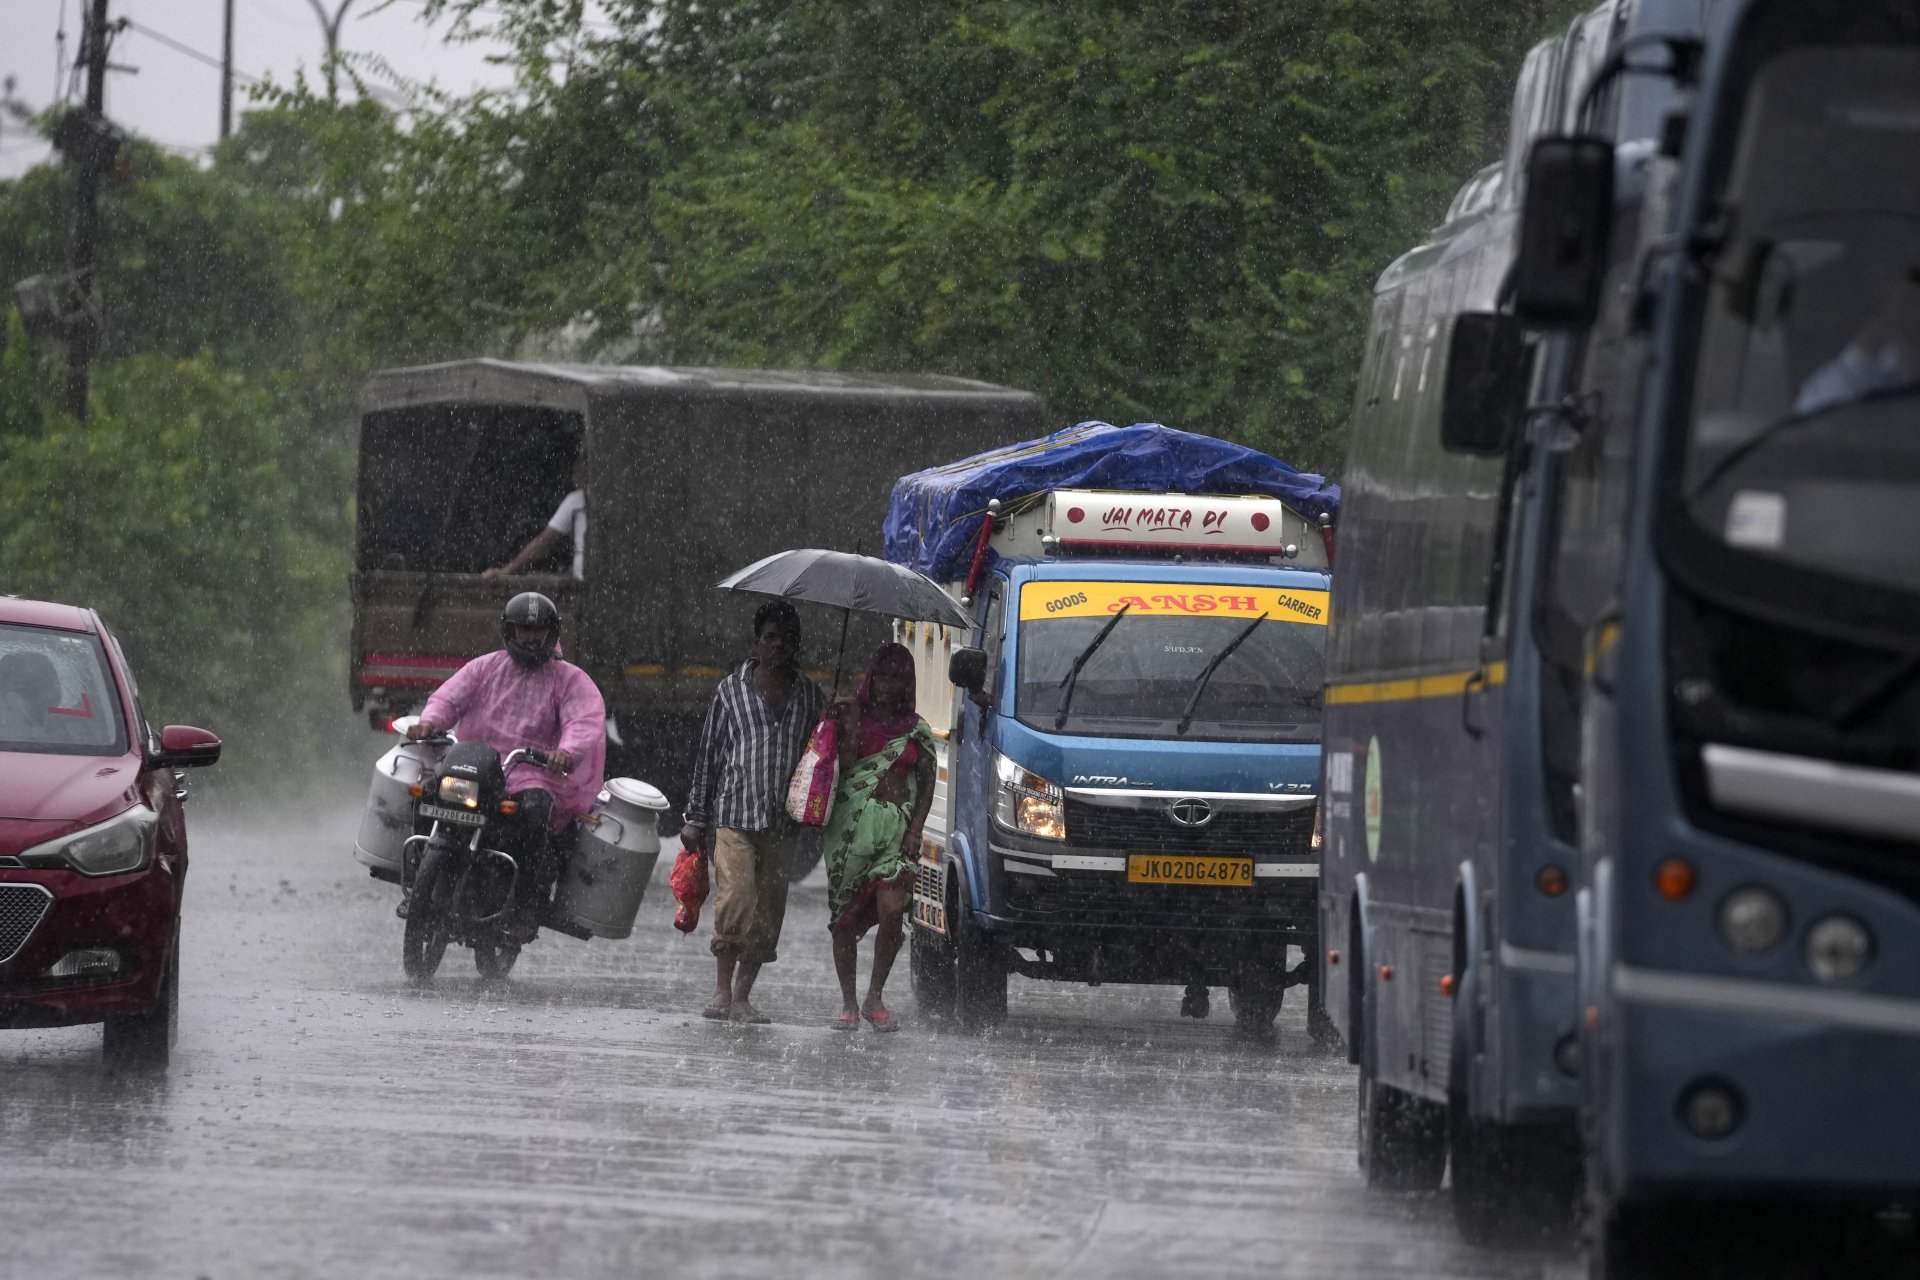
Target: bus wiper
{"x": 1186, "y": 716}
{"x": 1072, "y": 677}
{"x": 1767, "y": 434}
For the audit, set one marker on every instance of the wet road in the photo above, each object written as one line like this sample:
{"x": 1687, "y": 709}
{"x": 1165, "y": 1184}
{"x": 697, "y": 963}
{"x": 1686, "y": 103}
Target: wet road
{"x": 324, "y": 1119}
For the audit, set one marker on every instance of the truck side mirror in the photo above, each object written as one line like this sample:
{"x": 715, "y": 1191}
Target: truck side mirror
{"x": 967, "y": 668}
{"x": 1564, "y": 233}
{"x": 1486, "y": 388}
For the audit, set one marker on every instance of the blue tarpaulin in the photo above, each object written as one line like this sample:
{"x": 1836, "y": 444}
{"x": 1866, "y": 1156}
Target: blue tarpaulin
{"x": 933, "y": 519}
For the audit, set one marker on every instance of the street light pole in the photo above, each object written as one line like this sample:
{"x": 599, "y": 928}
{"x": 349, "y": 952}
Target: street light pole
{"x": 330, "y": 28}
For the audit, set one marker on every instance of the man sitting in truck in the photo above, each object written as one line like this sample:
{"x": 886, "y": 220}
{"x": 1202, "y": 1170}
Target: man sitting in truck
{"x": 569, "y": 518}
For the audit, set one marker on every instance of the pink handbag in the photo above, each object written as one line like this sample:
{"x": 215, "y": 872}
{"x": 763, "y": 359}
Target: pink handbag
{"x": 810, "y": 792}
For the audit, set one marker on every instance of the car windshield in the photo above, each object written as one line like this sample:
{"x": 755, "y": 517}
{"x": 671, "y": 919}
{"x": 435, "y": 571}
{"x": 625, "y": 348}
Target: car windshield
{"x": 1803, "y": 443}
{"x": 1139, "y": 680}
{"x": 55, "y": 694}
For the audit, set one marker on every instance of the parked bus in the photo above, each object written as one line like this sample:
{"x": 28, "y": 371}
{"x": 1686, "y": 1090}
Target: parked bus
{"x": 1747, "y": 588}
{"x": 1453, "y": 699}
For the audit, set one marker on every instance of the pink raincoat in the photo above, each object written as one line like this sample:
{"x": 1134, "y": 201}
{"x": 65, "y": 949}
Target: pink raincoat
{"x": 495, "y": 700}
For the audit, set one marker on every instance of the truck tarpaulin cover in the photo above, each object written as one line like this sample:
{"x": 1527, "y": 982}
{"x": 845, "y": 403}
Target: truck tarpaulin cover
{"x": 933, "y": 520}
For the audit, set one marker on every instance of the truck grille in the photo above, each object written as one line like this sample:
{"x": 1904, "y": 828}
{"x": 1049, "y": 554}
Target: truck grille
{"x": 1093, "y": 826}
{"x": 22, "y": 906}
{"x": 1280, "y": 903}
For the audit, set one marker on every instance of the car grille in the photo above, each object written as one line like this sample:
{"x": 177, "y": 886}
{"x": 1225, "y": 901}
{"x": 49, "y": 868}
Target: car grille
{"x": 1093, "y": 826}
{"x": 22, "y": 906}
{"x": 1281, "y": 902}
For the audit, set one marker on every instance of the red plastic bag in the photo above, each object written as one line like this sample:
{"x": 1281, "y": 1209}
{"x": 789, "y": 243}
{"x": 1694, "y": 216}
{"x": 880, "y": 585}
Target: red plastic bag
{"x": 810, "y": 791}
{"x": 690, "y": 887}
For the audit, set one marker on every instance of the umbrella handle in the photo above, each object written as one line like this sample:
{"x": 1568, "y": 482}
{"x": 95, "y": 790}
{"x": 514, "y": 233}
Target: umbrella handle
{"x": 840, "y": 655}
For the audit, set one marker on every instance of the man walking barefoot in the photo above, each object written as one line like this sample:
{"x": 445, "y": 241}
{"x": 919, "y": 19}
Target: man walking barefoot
{"x": 755, "y": 730}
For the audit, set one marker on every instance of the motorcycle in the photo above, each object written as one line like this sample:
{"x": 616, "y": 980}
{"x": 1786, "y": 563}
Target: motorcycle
{"x": 457, "y": 885}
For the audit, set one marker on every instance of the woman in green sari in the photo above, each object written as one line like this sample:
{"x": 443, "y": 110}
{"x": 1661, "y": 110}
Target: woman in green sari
{"x": 873, "y": 834}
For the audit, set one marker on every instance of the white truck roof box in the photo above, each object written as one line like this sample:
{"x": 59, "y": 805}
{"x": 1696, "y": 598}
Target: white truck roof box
{"x": 1070, "y": 522}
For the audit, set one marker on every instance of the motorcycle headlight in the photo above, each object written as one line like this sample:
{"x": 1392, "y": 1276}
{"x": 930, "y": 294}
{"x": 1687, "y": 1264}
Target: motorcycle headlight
{"x": 460, "y": 791}
{"x": 1026, "y": 802}
{"x": 114, "y": 847}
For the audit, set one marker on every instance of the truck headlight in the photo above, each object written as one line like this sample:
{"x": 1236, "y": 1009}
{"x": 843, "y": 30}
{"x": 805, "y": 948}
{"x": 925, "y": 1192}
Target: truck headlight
{"x": 460, "y": 791}
{"x": 1026, "y": 802}
{"x": 120, "y": 844}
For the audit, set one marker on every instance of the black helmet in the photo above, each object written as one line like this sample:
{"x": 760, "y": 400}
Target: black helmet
{"x": 530, "y": 609}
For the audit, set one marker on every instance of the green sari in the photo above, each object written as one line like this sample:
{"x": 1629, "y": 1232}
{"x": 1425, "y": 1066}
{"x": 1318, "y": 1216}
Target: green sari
{"x": 862, "y": 839}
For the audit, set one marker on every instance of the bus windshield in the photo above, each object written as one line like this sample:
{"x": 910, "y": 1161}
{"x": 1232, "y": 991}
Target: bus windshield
{"x": 1803, "y": 444}
{"x": 1139, "y": 680}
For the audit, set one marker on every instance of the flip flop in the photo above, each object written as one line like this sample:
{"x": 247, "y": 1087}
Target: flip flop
{"x": 717, "y": 1011}
{"x": 882, "y": 1019}
{"x": 846, "y": 1022}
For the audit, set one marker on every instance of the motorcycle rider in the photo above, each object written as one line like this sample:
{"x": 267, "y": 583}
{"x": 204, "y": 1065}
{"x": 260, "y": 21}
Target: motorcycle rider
{"x": 525, "y": 695}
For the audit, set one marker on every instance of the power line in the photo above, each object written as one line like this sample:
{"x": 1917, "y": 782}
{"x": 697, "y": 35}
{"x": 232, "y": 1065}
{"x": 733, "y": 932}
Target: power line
{"x": 187, "y": 50}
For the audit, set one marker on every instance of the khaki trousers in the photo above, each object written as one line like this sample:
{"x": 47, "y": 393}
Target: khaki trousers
{"x": 749, "y": 892}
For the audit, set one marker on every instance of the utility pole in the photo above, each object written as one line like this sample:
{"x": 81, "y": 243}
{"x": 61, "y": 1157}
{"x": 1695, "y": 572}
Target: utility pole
{"x": 226, "y": 76}
{"x": 92, "y": 150}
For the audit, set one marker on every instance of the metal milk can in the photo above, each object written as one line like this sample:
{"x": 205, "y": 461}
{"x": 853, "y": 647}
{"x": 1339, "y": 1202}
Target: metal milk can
{"x": 388, "y": 819}
{"x": 613, "y": 859}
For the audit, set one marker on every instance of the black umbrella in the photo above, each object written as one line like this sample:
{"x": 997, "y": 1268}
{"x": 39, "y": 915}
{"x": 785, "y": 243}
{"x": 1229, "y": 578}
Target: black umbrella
{"x": 849, "y": 582}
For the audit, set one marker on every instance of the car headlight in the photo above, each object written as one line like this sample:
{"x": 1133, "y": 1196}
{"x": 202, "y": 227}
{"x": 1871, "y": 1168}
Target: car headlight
{"x": 1026, "y": 802}
{"x": 114, "y": 847}
{"x": 460, "y": 791}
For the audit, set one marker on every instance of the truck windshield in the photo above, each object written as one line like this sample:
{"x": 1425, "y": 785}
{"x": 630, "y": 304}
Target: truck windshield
{"x": 1139, "y": 681}
{"x": 1805, "y": 438}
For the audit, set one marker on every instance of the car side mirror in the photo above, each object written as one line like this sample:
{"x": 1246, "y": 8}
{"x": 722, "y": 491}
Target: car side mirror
{"x": 1485, "y": 394}
{"x": 184, "y": 747}
{"x": 967, "y": 668}
{"x": 1564, "y": 233}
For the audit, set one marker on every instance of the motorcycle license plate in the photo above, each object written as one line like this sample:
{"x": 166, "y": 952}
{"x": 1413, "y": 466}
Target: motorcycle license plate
{"x": 1220, "y": 873}
{"x": 460, "y": 817}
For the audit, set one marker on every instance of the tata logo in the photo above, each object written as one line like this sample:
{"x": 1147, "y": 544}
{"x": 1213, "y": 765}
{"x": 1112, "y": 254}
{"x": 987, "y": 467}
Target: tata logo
{"x": 1296, "y": 787}
{"x": 1190, "y": 811}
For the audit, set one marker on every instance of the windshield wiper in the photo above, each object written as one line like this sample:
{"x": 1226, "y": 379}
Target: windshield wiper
{"x": 1072, "y": 677}
{"x": 1186, "y": 716}
{"x": 1767, "y": 434}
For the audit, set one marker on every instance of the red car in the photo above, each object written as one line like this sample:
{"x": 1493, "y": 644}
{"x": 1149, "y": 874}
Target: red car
{"x": 93, "y": 847}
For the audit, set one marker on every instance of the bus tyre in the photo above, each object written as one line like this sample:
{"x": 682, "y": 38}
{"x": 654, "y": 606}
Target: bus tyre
{"x": 1402, "y": 1140}
{"x": 1255, "y": 1004}
{"x": 1510, "y": 1184}
{"x": 1640, "y": 1242}
{"x": 980, "y": 975}
{"x": 930, "y": 965}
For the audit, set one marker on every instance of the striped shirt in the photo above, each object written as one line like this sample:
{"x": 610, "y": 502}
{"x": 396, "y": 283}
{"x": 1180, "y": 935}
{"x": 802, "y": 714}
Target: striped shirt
{"x": 747, "y": 750}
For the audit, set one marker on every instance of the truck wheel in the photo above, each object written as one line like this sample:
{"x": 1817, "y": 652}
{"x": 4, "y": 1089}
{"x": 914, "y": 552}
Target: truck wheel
{"x": 144, "y": 1041}
{"x": 1402, "y": 1139}
{"x": 930, "y": 965}
{"x": 1255, "y": 1005}
{"x": 980, "y": 974}
{"x": 424, "y": 942}
{"x": 1510, "y": 1184}
{"x": 495, "y": 960}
